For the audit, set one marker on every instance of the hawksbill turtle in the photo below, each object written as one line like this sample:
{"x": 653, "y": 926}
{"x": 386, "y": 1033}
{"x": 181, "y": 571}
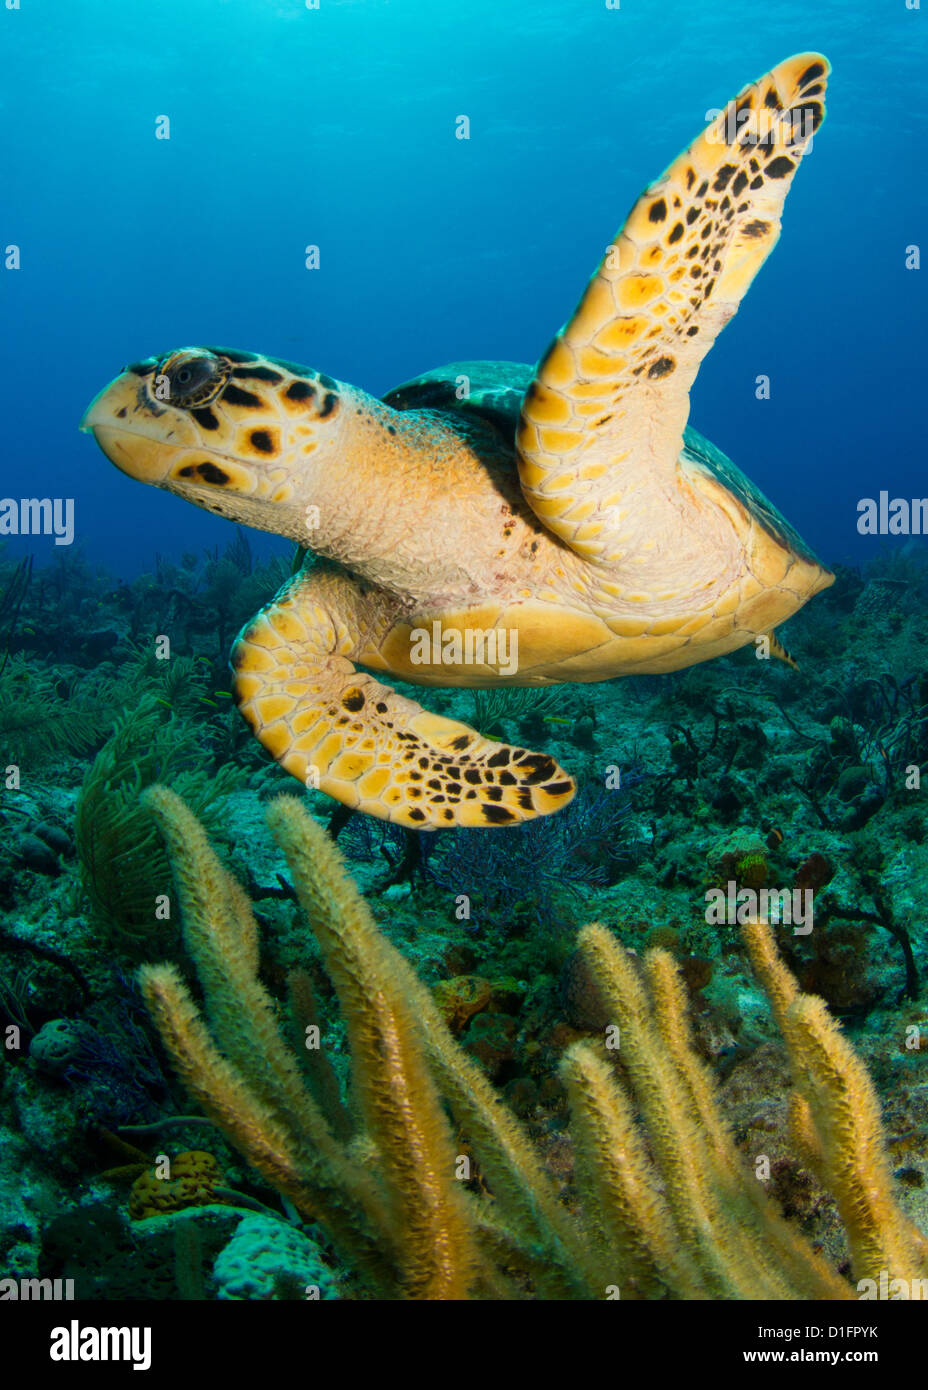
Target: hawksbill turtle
{"x": 496, "y": 524}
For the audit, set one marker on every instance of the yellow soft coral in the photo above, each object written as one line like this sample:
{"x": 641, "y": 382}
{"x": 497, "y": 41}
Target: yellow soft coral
{"x": 667, "y": 1204}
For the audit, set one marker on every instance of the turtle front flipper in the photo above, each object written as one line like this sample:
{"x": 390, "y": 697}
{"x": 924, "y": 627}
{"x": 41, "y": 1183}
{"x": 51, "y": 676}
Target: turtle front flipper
{"x": 340, "y": 730}
{"x": 602, "y": 423}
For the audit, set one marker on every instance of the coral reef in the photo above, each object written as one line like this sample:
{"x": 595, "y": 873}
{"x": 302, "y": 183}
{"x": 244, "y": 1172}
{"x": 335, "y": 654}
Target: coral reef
{"x": 736, "y": 772}
{"x": 191, "y": 1181}
{"x": 268, "y": 1260}
{"x": 689, "y": 1219}
{"x": 123, "y": 869}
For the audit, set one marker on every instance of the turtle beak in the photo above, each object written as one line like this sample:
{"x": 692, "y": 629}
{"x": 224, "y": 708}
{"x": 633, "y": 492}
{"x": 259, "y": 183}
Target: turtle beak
{"x": 115, "y": 402}
{"x": 138, "y": 437}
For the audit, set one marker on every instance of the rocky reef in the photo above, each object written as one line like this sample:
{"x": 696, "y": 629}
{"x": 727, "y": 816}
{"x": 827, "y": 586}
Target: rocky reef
{"x": 721, "y": 784}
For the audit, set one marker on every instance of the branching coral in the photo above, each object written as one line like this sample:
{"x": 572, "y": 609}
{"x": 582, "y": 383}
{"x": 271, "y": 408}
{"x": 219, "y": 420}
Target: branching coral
{"x": 493, "y": 707}
{"x": 835, "y": 1116}
{"x": 122, "y": 862}
{"x": 43, "y": 715}
{"x": 46, "y": 712}
{"x": 12, "y": 593}
{"x": 519, "y": 873}
{"x": 667, "y": 1205}
{"x": 217, "y": 594}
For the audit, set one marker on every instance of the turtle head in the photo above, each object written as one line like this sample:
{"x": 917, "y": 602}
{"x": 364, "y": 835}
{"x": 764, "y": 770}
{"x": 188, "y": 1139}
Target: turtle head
{"x": 239, "y": 434}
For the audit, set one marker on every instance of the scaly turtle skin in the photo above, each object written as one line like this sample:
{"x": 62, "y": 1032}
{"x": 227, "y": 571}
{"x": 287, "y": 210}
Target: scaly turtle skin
{"x": 493, "y": 524}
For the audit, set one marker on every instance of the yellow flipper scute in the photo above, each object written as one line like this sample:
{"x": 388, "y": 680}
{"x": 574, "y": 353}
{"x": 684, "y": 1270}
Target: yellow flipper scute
{"x": 602, "y": 423}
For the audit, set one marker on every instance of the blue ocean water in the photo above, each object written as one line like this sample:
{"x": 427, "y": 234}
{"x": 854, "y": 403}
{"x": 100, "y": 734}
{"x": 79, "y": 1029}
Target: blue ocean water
{"x": 336, "y": 127}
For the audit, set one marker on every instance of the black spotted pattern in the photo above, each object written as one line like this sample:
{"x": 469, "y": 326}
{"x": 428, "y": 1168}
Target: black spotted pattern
{"x": 262, "y": 441}
{"x": 300, "y": 391}
{"x": 235, "y": 395}
{"x": 209, "y": 473}
{"x": 256, "y": 374}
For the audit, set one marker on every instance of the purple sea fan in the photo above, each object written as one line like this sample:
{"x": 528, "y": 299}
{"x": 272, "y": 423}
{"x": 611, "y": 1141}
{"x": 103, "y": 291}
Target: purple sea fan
{"x": 524, "y": 869}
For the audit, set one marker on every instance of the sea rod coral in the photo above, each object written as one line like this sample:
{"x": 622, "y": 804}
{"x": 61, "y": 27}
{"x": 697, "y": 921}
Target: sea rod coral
{"x": 667, "y": 1205}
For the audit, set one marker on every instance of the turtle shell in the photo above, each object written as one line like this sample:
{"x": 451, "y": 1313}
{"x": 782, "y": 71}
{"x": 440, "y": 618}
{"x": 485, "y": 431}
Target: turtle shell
{"x": 697, "y": 449}
{"x": 490, "y": 391}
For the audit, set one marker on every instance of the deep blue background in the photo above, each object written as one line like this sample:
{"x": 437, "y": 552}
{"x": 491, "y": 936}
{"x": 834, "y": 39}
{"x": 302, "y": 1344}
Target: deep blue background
{"x": 336, "y": 126}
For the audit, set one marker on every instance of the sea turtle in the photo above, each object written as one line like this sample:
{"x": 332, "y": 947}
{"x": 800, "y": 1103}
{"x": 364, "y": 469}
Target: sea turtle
{"x": 495, "y": 524}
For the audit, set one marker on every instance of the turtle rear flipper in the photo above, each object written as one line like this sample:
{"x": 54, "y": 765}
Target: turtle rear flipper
{"x": 340, "y": 730}
{"x": 602, "y": 422}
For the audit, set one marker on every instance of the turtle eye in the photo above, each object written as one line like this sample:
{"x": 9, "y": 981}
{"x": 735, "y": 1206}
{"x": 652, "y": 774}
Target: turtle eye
{"x": 190, "y": 378}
